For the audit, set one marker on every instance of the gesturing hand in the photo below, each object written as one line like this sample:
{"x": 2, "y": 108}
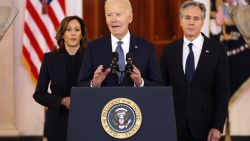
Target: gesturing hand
{"x": 99, "y": 76}
{"x": 136, "y": 76}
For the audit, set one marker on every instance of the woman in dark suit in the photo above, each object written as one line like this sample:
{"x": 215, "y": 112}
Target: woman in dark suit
{"x": 60, "y": 69}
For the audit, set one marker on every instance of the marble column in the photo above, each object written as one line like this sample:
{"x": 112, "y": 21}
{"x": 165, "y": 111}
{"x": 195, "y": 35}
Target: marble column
{"x": 7, "y": 124}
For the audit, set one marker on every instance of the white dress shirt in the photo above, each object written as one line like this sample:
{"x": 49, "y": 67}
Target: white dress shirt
{"x": 197, "y": 47}
{"x": 125, "y": 44}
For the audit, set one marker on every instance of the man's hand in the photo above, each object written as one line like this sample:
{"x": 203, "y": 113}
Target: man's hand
{"x": 99, "y": 76}
{"x": 214, "y": 135}
{"x": 136, "y": 76}
{"x": 66, "y": 102}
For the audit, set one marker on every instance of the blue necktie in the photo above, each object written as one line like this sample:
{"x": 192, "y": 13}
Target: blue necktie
{"x": 121, "y": 61}
{"x": 189, "y": 64}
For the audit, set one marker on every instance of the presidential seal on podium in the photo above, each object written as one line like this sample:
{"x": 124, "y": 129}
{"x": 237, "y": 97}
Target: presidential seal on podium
{"x": 121, "y": 118}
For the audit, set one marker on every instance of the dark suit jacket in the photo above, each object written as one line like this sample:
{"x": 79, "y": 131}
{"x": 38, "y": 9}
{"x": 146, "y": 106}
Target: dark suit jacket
{"x": 53, "y": 71}
{"x": 100, "y": 52}
{"x": 202, "y": 104}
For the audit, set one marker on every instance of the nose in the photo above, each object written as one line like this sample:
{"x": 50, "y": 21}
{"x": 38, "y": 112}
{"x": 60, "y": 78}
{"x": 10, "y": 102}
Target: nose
{"x": 113, "y": 18}
{"x": 191, "y": 21}
{"x": 73, "y": 32}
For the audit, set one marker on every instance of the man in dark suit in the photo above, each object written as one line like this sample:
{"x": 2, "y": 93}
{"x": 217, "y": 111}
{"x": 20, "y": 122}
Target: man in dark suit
{"x": 197, "y": 69}
{"x": 95, "y": 69}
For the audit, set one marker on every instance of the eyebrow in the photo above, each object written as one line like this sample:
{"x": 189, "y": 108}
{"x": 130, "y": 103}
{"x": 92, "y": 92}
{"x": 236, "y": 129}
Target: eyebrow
{"x": 192, "y": 16}
{"x": 73, "y": 27}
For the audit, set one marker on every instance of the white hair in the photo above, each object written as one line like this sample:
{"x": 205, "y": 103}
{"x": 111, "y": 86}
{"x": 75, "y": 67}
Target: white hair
{"x": 127, "y": 2}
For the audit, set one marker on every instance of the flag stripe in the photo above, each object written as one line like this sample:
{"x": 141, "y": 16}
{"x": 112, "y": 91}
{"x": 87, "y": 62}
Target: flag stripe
{"x": 31, "y": 65}
{"x": 39, "y": 31}
{"x": 33, "y": 42}
{"x": 32, "y": 25}
{"x": 59, "y": 13}
{"x": 32, "y": 52}
{"x": 53, "y": 17}
{"x": 39, "y": 23}
{"x": 46, "y": 20}
{"x": 62, "y": 3}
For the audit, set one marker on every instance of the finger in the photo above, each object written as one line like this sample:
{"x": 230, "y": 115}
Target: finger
{"x": 209, "y": 137}
{"x": 135, "y": 72}
{"x": 215, "y": 138}
{"x": 135, "y": 69}
{"x": 100, "y": 67}
{"x": 98, "y": 72}
{"x": 106, "y": 72}
{"x": 132, "y": 76}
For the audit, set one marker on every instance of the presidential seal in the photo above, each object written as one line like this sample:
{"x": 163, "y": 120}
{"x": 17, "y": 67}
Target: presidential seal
{"x": 121, "y": 118}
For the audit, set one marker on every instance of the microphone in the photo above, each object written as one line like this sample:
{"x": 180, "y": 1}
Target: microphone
{"x": 114, "y": 66}
{"x": 129, "y": 66}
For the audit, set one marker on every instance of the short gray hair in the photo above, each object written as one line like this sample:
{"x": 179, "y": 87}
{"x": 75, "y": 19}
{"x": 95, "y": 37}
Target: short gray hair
{"x": 128, "y": 4}
{"x": 193, "y": 3}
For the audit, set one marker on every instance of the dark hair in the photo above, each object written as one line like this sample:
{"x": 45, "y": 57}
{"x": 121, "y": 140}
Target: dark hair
{"x": 248, "y": 2}
{"x": 62, "y": 28}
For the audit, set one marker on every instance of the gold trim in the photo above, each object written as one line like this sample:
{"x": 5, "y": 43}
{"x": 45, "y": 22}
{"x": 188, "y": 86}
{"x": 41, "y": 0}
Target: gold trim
{"x": 104, "y": 118}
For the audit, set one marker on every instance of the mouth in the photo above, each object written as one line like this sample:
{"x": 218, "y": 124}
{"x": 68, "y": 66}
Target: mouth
{"x": 73, "y": 39}
{"x": 115, "y": 26}
{"x": 191, "y": 29}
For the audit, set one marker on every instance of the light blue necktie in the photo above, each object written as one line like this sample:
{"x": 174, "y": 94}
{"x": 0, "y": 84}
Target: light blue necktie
{"x": 121, "y": 61}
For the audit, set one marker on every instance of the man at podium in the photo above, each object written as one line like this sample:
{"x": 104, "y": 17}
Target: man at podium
{"x": 122, "y": 47}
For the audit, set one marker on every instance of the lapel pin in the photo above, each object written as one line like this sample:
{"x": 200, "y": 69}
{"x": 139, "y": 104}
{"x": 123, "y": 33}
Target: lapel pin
{"x": 135, "y": 46}
{"x": 207, "y": 51}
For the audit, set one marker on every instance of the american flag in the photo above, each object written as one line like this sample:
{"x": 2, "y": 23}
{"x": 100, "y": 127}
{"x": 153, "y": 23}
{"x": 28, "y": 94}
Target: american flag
{"x": 41, "y": 20}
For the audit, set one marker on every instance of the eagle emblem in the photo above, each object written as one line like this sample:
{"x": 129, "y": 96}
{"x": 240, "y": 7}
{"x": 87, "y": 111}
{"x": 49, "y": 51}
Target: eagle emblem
{"x": 121, "y": 118}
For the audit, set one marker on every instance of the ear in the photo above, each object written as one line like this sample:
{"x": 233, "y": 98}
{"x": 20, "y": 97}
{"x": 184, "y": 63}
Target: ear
{"x": 131, "y": 18}
{"x": 203, "y": 21}
{"x": 180, "y": 21}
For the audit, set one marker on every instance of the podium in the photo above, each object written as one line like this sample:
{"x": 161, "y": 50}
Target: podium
{"x": 88, "y": 108}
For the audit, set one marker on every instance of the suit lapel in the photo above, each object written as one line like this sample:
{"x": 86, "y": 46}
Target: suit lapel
{"x": 204, "y": 59}
{"x": 133, "y": 47}
{"x": 107, "y": 50}
{"x": 133, "y": 50}
{"x": 179, "y": 58}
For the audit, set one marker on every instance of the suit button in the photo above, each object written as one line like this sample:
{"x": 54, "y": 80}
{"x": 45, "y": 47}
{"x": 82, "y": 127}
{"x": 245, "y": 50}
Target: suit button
{"x": 189, "y": 89}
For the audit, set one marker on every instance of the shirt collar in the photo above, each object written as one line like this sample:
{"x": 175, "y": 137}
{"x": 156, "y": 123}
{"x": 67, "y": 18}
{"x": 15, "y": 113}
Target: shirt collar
{"x": 196, "y": 42}
{"x": 125, "y": 39}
